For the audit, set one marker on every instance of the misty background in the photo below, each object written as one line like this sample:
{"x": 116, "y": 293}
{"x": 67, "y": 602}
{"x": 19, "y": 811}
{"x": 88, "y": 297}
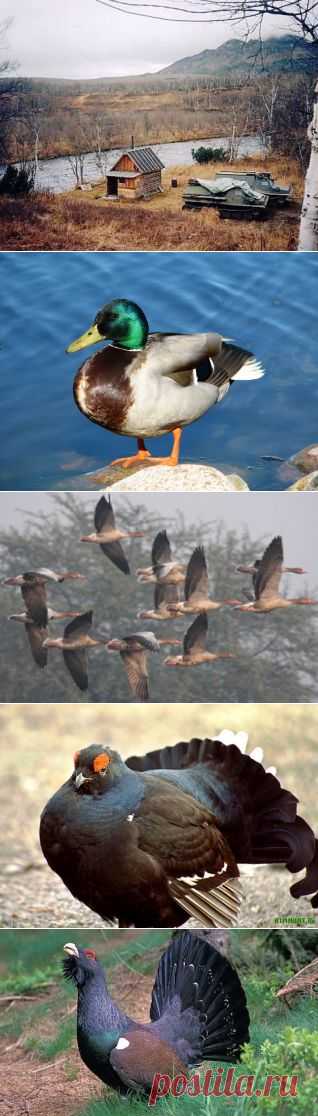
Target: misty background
{"x": 84, "y": 39}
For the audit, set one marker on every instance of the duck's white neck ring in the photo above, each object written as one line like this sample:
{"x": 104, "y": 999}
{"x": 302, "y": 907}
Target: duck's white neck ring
{"x": 124, "y": 349}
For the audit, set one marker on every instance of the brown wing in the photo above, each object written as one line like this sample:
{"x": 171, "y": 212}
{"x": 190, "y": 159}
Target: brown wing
{"x": 267, "y": 579}
{"x": 196, "y": 636}
{"x": 165, "y": 594}
{"x": 36, "y": 637}
{"x": 180, "y": 832}
{"x": 34, "y": 596}
{"x": 76, "y": 663}
{"x": 135, "y": 663}
{"x": 115, "y": 553}
{"x": 196, "y": 582}
{"x": 161, "y": 549}
{"x": 104, "y": 515}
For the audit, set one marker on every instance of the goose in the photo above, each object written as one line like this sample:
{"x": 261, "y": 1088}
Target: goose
{"x": 143, "y": 384}
{"x": 267, "y": 581}
{"x": 133, "y": 653}
{"x": 166, "y": 596}
{"x": 77, "y": 638}
{"x": 108, "y": 536}
{"x": 196, "y": 589}
{"x": 195, "y": 646}
{"x": 163, "y": 568}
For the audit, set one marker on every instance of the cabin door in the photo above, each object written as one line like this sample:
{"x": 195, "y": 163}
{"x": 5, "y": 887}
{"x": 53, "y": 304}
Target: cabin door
{"x": 112, "y": 187}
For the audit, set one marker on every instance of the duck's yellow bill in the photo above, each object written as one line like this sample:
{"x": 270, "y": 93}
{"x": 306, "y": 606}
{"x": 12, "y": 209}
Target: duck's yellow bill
{"x": 91, "y": 337}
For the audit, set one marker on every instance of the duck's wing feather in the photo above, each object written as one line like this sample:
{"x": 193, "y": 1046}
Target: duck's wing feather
{"x": 196, "y": 582}
{"x": 165, "y": 594}
{"x": 135, "y": 663}
{"x": 104, "y": 515}
{"x": 202, "y": 357}
{"x": 172, "y": 353}
{"x": 36, "y": 637}
{"x": 161, "y": 549}
{"x": 196, "y": 636}
{"x": 115, "y": 553}
{"x": 34, "y": 596}
{"x": 76, "y": 663}
{"x": 267, "y": 578}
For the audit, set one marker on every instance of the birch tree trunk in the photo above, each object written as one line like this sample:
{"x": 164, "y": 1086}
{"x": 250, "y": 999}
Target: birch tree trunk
{"x": 308, "y": 232}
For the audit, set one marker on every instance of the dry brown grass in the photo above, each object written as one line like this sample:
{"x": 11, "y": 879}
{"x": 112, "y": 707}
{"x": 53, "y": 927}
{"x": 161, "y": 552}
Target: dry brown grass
{"x": 85, "y": 221}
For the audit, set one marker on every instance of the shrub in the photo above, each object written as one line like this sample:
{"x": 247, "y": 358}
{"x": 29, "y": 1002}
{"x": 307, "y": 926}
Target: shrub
{"x": 210, "y": 155}
{"x": 17, "y": 182}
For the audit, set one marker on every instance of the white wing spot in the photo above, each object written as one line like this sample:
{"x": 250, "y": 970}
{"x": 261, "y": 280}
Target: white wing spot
{"x": 130, "y": 817}
{"x": 122, "y": 1044}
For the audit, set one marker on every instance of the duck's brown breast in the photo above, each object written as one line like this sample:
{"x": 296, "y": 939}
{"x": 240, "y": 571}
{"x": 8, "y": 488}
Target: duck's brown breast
{"x": 102, "y": 388}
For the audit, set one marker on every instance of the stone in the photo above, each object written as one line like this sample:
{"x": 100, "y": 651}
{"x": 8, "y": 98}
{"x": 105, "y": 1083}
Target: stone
{"x": 181, "y": 478}
{"x": 306, "y": 459}
{"x": 305, "y": 484}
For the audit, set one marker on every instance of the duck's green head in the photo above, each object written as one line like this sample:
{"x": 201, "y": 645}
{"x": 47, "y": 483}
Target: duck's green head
{"x": 120, "y": 321}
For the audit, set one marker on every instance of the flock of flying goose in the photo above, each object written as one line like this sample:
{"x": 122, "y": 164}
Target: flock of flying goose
{"x": 170, "y": 579}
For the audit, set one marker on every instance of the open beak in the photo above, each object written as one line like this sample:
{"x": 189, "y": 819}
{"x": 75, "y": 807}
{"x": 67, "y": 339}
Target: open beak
{"x": 91, "y": 337}
{"x": 71, "y": 949}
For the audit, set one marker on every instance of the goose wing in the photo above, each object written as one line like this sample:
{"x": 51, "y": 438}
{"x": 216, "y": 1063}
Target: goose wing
{"x": 115, "y": 553}
{"x": 34, "y": 596}
{"x": 104, "y": 515}
{"x": 161, "y": 549}
{"x": 196, "y": 582}
{"x": 79, "y": 626}
{"x": 269, "y": 572}
{"x": 36, "y": 637}
{"x": 196, "y": 636}
{"x": 165, "y": 594}
{"x": 76, "y": 663}
{"x": 135, "y": 664}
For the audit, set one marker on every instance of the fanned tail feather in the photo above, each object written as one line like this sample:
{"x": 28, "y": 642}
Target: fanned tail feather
{"x": 199, "y": 997}
{"x": 255, "y": 813}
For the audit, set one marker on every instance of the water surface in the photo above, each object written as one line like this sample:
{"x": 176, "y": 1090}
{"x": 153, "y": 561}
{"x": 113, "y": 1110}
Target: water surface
{"x": 264, "y": 301}
{"x": 57, "y": 175}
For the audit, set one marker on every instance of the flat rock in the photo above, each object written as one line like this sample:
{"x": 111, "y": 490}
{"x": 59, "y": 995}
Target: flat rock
{"x": 306, "y": 459}
{"x": 305, "y": 484}
{"x": 182, "y": 478}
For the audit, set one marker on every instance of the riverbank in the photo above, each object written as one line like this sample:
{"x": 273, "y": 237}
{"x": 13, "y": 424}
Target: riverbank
{"x": 79, "y": 220}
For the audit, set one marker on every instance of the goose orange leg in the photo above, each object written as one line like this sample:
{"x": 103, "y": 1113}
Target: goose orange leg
{"x": 145, "y": 455}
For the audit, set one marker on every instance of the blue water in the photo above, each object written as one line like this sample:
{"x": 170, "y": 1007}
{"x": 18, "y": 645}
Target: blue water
{"x": 267, "y": 302}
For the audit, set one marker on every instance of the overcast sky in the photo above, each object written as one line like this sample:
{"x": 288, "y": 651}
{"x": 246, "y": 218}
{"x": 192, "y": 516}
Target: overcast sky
{"x": 83, "y": 39}
{"x": 265, "y": 514}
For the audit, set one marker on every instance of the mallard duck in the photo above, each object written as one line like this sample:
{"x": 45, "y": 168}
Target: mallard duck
{"x": 108, "y": 536}
{"x": 195, "y": 646}
{"x": 148, "y": 384}
{"x": 266, "y": 582}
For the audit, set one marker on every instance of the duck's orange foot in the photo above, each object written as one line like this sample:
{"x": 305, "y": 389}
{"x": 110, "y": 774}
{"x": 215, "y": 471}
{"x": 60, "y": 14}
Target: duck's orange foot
{"x": 135, "y": 459}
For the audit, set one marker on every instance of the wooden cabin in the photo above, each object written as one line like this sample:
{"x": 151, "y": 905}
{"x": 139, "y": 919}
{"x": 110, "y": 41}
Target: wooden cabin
{"x": 135, "y": 174}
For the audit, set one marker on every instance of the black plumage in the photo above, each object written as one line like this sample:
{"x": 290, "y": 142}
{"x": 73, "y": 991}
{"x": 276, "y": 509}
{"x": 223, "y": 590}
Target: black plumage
{"x": 121, "y": 835}
{"x": 198, "y": 1011}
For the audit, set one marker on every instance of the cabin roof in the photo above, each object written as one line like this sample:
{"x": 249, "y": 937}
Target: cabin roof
{"x": 144, "y": 159}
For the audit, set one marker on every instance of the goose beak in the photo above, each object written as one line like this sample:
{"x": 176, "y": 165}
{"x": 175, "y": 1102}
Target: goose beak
{"x": 91, "y": 337}
{"x": 71, "y": 949}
